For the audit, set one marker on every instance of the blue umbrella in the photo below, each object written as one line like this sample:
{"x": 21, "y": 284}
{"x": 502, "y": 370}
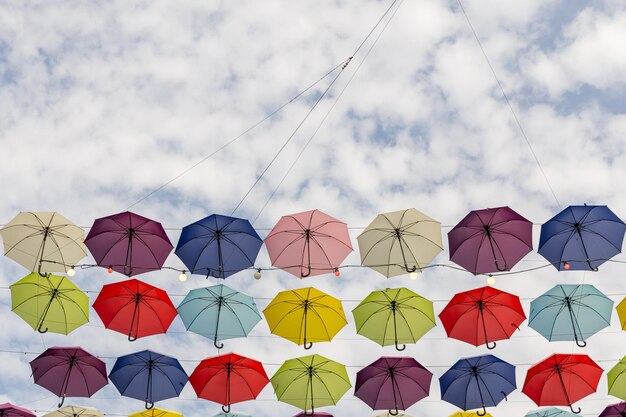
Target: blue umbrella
{"x": 478, "y": 382}
{"x": 570, "y": 312}
{"x": 581, "y": 238}
{"x": 148, "y": 376}
{"x": 551, "y": 412}
{"x": 218, "y": 245}
{"x": 219, "y": 313}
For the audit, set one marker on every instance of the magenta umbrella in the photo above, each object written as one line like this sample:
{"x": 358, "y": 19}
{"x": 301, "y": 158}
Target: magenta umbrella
{"x": 614, "y": 410}
{"x": 10, "y": 410}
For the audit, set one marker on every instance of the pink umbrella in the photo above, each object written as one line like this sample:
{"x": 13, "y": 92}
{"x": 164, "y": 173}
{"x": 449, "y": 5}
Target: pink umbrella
{"x": 10, "y": 410}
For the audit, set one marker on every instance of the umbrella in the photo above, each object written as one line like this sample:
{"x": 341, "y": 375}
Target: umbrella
{"x": 392, "y": 383}
{"x": 218, "y": 245}
{"x": 400, "y": 242}
{"x": 482, "y": 316}
{"x": 308, "y": 243}
{"x": 570, "y": 312}
{"x": 469, "y": 414}
{"x": 10, "y": 410}
{"x": 617, "y": 379}
{"x": 550, "y": 412}
{"x": 228, "y": 379}
{"x": 310, "y": 381}
{"x": 614, "y": 410}
{"x": 562, "y": 380}
{"x": 304, "y": 316}
{"x": 43, "y": 241}
{"x": 50, "y": 303}
{"x": 219, "y": 313}
{"x": 394, "y": 316}
{"x": 69, "y": 372}
{"x": 75, "y": 411}
{"x": 581, "y": 237}
{"x": 490, "y": 240}
{"x": 477, "y": 382}
{"x": 156, "y": 412}
{"x": 148, "y": 376}
{"x": 621, "y": 313}
{"x": 128, "y": 243}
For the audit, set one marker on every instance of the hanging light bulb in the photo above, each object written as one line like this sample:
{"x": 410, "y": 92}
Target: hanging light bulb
{"x": 182, "y": 277}
{"x": 413, "y": 276}
{"x": 110, "y": 270}
{"x": 337, "y": 273}
{"x": 257, "y": 274}
{"x": 491, "y": 280}
{"x": 71, "y": 272}
{"x": 566, "y": 265}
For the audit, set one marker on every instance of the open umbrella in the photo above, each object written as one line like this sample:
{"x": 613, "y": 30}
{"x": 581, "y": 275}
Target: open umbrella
{"x": 617, "y": 379}
{"x": 614, "y": 410}
{"x": 10, "y": 410}
{"x": 75, "y": 411}
{"x": 550, "y": 412}
{"x": 156, "y": 412}
{"x": 621, "y": 313}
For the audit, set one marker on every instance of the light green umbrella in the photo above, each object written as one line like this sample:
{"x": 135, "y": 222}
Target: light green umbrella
{"x": 617, "y": 379}
{"x": 394, "y": 316}
{"x": 75, "y": 411}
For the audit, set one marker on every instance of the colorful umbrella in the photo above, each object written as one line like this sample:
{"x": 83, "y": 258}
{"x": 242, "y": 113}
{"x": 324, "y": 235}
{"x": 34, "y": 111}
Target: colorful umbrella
{"x": 148, "y": 376}
{"x": 308, "y": 243}
{"x": 581, "y": 238}
{"x": 469, "y": 414}
{"x": 482, "y": 316}
{"x": 550, "y": 412}
{"x": 614, "y": 410}
{"x": 394, "y": 316}
{"x": 562, "y": 380}
{"x": 305, "y": 316}
{"x": 75, "y": 411}
{"x": 156, "y": 412}
{"x": 570, "y": 312}
{"x": 219, "y": 313}
{"x": 50, "y": 303}
{"x": 10, "y": 410}
{"x": 128, "y": 243}
{"x": 392, "y": 383}
{"x": 43, "y": 241}
{"x": 617, "y": 379}
{"x": 69, "y": 372}
{"x": 621, "y": 313}
{"x": 228, "y": 379}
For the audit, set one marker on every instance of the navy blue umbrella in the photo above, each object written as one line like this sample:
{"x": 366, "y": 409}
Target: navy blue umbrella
{"x": 478, "y": 382}
{"x": 148, "y": 376}
{"x": 218, "y": 245}
{"x": 581, "y": 238}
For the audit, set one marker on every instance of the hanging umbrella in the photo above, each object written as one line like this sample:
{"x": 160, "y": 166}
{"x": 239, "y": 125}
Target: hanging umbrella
{"x": 50, "y": 303}
{"x": 305, "y": 316}
{"x": 219, "y": 313}
{"x": 394, "y": 316}
{"x": 156, "y": 412}
{"x": 621, "y": 313}
{"x": 218, "y": 245}
{"x": 482, "y": 316}
{"x": 490, "y": 240}
{"x": 469, "y": 414}
{"x": 148, "y": 376}
{"x": 310, "y": 381}
{"x": 570, "y": 312}
{"x": 562, "y": 380}
{"x": 10, "y": 410}
{"x": 581, "y": 238}
{"x": 75, "y": 411}
{"x": 392, "y": 383}
{"x": 43, "y": 241}
{"x": 550, "y": 412}
{"x": 478, "y": 382}
{"x": 128, "y": 243}
{"x": 614, "y": 410}
{"x": 617, "y": 379}
{"x": 69, "y": 372}
{"x": 308, "y": 243}
{"x": 228, "y": 379}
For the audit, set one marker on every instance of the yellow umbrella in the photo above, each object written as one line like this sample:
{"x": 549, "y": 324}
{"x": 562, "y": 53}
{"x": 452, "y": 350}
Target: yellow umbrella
{"x": 156, "y": 412}
{"x": 305, "y": 316}
{"x": 621, "y": 312}
{"x": 469, "y": 414}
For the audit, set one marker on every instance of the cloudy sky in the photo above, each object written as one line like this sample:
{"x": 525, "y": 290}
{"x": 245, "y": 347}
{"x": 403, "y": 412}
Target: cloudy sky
{"x": 108, "y": 106}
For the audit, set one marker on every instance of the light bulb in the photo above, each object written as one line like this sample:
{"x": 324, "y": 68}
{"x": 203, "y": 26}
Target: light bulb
{"x": 71, "y": 272}
{"x": 337, "y": 273}
{"x": 491, "y": 280}
{"x": 566, "y": 265}
{"x": 257, "y": 274}
{"x": 182, "y": 277}
{"x": 110, "y": 270}
{"x": 413, "y": 275}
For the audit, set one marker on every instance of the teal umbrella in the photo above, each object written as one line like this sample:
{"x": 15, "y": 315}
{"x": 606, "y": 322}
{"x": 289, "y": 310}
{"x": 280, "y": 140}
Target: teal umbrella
{"x": 570, "y": 313}
{"x": 550, "y": 412}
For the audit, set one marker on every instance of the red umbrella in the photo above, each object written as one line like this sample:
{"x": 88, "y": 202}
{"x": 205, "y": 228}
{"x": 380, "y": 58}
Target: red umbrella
{"x": 562, "y": 379}
{"x": 482, "y": 316}
{"x": 135, "y": 308}
{"x": 10, "y": 410}
{"x": 228, "y": 379}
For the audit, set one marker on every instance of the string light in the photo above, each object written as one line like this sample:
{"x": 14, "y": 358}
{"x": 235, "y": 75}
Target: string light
{"x": 182, "y": 277}
{"x": 491, "y": 280}
{"x": 413, "y": 276}
{"x": 337, "y": 273}
{"x": 566, "y": 265}
{"x": 71, "y": 272}
{"x": 257, "y": 274}
{"x": 110, "y": 270}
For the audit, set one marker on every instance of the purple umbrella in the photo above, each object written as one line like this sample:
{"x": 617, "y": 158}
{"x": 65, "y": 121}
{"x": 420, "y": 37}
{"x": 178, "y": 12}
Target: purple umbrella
{"x": 10, "y": 410}
{"x": 392, "y": 383}
{"x": 128, "y": 243}
{"x": 615, "y": 410}
{"x": 490, "y": 240}
{"x": 69, "y": 372}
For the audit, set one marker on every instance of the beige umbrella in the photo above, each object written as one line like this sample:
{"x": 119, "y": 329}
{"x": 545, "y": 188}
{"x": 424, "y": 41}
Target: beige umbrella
{"x": 75, "y": 411}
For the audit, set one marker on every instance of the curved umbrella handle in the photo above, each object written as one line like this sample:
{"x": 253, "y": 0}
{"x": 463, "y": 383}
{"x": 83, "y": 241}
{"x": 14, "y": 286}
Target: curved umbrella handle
{"x": 498, "y": 267}
{"x": 219, "y": 346}
{"x": 40, "y": 330}
{"x": 490, "y": 347}
{"x": 226, "y": 408}
{"x": 131, "y": 338}
{"x": 581, "y": 344}
{"x": 394, "y": 412}
{"x": 149, "y": 405}
{"x": 575, "y": 411}
{"x": 398, "y": 348}
{"x": 62, "y": 400}
{"x": 309, "y": 415}
{"x": 481, "y": 413}
{"x": 307, "y": 273}
{"x": 409, "y": 270}
{"x": 307, "y": 346}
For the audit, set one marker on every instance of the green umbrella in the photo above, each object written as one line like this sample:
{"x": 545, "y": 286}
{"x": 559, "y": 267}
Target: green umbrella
{"x": 50, "y": 303}
{"x": 310, "y": 381}
{"x": 617, "y": 379}
{"x": 394, "y": 316}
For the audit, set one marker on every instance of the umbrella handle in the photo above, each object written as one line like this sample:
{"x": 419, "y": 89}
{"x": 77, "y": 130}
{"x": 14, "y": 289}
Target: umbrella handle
{"x": 498, "y": 267}
{"x": 575, "y": 411}
{"x": 309, "y": 415}
{"x": 308, "y": 346}
{"x": 393, "y": 412}
{"x": 40, "y": 330}
{"x": 409, "y": 270}
{"x": 226, "y": 408}
{"x": 398, "y": 348}
{"x": 219, "y": 346}
{"x": 581, "y": 344}
{"x": 149, "y": 405}
{"x": 481, "y": 412}
{"x": 490, "y": 346}
{"x": 302, "y": 275}
{"x": 62, "y": 400}
{"x": 131, "y": 338}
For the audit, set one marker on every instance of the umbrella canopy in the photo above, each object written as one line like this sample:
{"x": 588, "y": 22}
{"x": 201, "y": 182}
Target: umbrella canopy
{"x": 310, "y": 381}
{"x": 305, "y": 316}
{"x": 43, "y": 241}
{"x": 69, "y": 372}
{"x": 550, "y": 412}
{"x": 482, "y": 316}
{"x": 614, "y": 410}
{"x": 570, "y": 312}
{"x": 219, "y": 313}
{"x": 490, "y": 240}
{"x": 477, "y": 382}
{"x": 400, "y": 242}
{"x": 148, "y": 376}
{"x": 156, "y": 412}
{"x": 470, "y": 414}
{"x": 10, "y": 410}
{"x": 617, "y": 379}
{"x": 49, "y": 303}
{"x": 75, "y": 411}
{"x": 128, "y": 243}
{"x": 218, "y": 245}
{"x": 308, "y": 243}
{"x": 562, "y": 380}
{"x": 392, "y": 383}
{"x": 581, "y": 238}
{"x": 135, "y": 308}
{"x": 621, "y": 313}
{"x": 394, "y": 316}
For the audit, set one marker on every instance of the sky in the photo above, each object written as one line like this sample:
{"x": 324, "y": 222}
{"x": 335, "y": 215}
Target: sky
{"x": 162, "y": 108}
